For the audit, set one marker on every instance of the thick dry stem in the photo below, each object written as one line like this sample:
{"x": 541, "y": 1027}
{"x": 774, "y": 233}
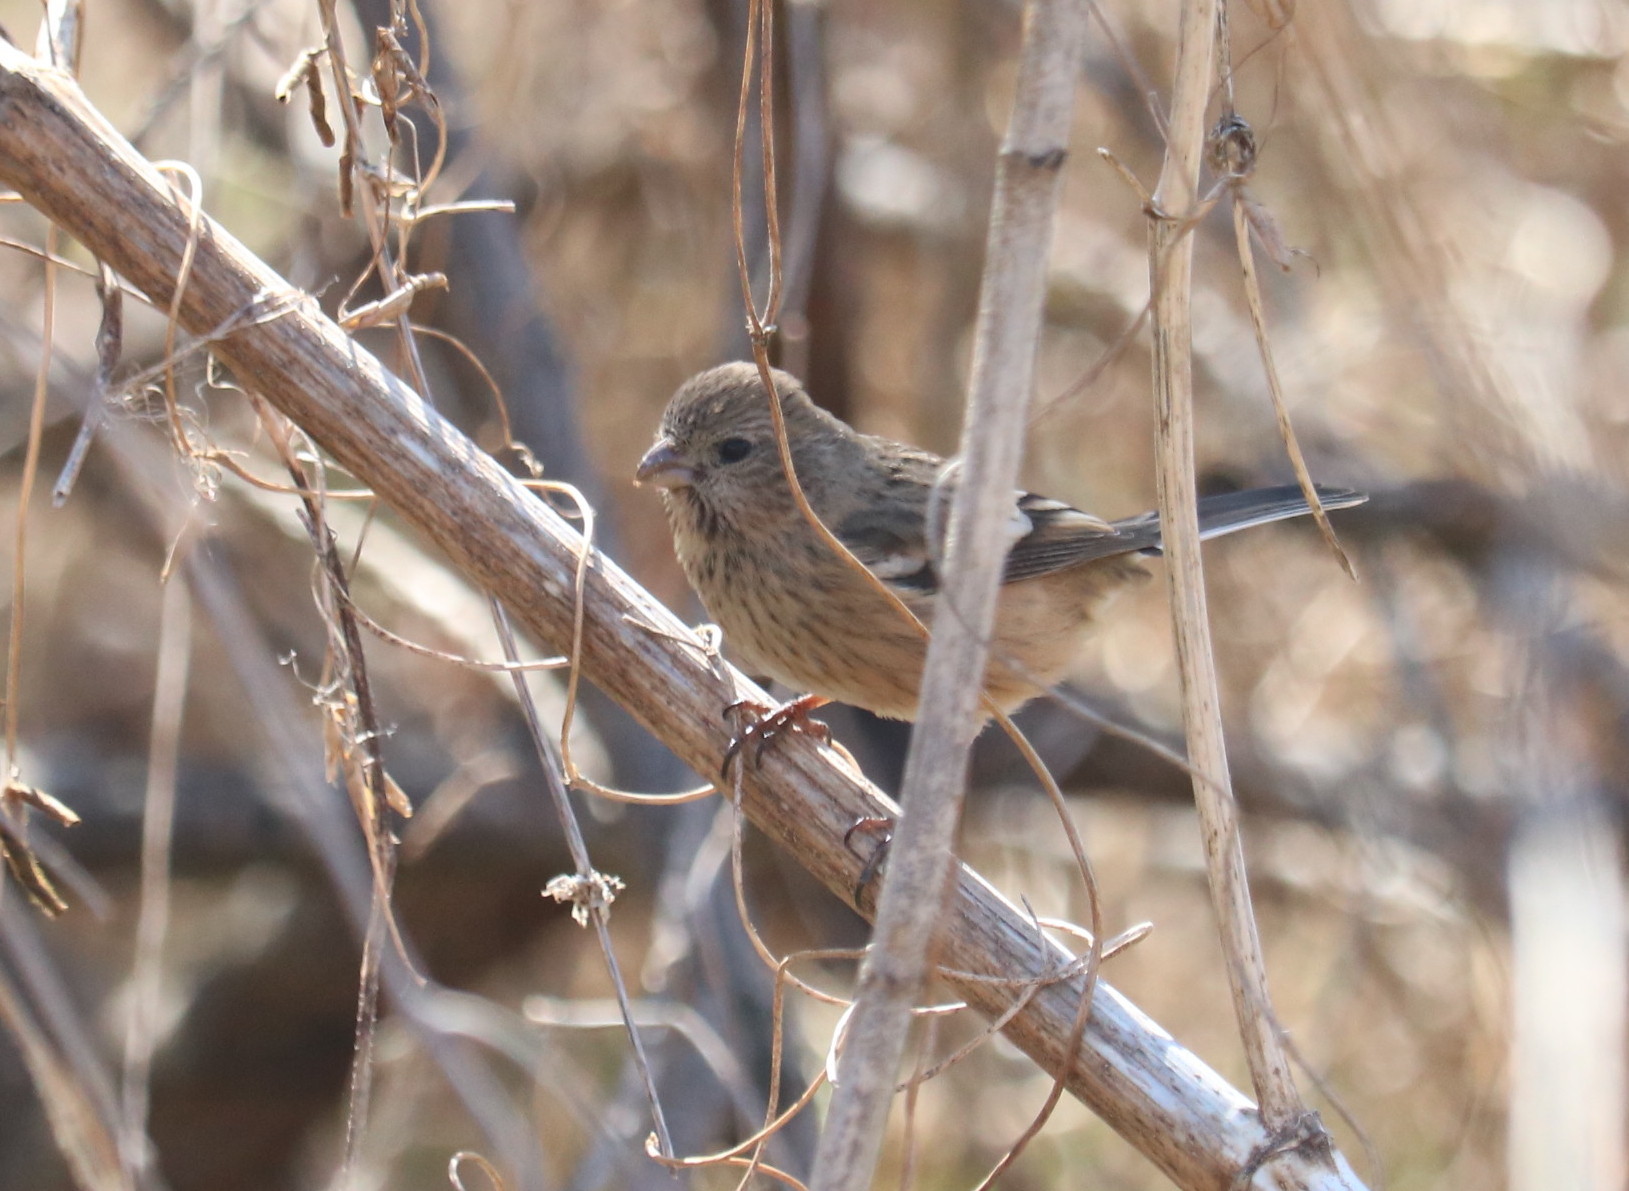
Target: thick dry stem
{"x": 921, "y": 859}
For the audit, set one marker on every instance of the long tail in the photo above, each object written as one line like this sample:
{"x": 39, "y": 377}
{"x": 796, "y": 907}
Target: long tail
{"x": 1233, "y": 511}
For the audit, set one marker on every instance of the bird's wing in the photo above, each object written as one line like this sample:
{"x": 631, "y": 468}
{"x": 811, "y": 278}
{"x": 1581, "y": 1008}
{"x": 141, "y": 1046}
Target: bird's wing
{"x": 886, "y": 525}
{"x": 1060, "y": 536}
{"x": 888, "y": 529}
{"x": 891, "y": 545}
{"x": 888, "y": 533}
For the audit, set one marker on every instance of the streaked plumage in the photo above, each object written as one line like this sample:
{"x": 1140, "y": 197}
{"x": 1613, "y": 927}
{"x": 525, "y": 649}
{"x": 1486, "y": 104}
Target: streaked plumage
{"x": 794, "y": 610}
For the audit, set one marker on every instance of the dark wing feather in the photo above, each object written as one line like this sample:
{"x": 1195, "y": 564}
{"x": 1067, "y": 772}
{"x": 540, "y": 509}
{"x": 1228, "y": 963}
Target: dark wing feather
{"x": 1233, "y": 511}
{"x": 889, "y": 540}
{"x": 1061, "y": 536}
{"x": 1065, "y": 537}
{"x": 887, "y": 531}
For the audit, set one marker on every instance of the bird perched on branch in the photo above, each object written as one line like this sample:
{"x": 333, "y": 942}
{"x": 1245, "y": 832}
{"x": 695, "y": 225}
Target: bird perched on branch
{"x": 795, "y": 609}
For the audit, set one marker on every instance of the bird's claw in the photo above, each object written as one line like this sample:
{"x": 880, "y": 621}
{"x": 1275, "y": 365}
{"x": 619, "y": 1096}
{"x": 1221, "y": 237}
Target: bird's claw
{"x": 766, "y": 723}
{"x": 869, "y": 825}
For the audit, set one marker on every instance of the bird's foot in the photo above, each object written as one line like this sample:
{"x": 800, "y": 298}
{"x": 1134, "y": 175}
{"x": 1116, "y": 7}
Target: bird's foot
{"x": 766, "y": 723}
{"x": 883, "y": 830}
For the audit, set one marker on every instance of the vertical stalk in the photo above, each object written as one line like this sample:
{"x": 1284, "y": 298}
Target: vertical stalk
{"x": 1171, "y": 268}
{"x": 920, "y": 865}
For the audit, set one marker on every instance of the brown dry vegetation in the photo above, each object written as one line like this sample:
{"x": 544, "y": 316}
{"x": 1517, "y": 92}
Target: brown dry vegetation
{"x": 1452, "y": 340}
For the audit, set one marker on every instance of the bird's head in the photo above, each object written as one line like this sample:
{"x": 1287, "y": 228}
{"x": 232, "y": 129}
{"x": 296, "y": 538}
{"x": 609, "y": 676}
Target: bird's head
{"x": 716, "y": 456}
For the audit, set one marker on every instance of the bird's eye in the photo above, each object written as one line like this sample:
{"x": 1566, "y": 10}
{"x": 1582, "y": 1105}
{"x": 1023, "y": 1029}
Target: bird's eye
{"x": 733, "y": 450}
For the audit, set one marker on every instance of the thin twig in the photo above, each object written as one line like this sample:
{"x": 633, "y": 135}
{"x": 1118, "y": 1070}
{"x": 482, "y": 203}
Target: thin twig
{"x": 596, "y": 908}
{"x": 1171, "y": 267}
{"x": 31, "y": 465}
{"x": 1258, "y": 321}
{"x": 153, "y": 914}
{"x": 359, "y": 752}
{"x": 85, "y": 1140}
{"x": 16, "y": 797}
{"x": 109, "y": 345}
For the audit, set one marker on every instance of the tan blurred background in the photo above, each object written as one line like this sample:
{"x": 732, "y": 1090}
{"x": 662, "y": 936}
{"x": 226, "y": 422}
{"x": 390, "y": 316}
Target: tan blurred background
{"x": 1432, "y": 759}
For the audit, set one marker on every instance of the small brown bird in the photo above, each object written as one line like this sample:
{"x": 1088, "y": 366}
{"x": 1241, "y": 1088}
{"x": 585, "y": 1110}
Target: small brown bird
{"x": 793, "y": 609}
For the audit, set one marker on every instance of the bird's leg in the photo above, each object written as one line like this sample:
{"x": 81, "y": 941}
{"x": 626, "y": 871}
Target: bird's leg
{"x": 766, "y": 723}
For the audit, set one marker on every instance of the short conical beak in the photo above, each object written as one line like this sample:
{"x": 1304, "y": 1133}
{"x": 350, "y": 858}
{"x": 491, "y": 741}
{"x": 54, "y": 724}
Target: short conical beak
{"x": 664, "y": 467}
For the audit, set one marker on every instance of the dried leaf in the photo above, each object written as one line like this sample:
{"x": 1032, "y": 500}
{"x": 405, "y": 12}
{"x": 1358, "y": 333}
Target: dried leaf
{"x": 59, "y": 812}
{"x": 1267, "y": 232}
{"x": 26, "y": 868}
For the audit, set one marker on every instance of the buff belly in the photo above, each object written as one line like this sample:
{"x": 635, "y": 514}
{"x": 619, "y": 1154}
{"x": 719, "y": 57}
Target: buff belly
{"x": 851, "y": 645}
